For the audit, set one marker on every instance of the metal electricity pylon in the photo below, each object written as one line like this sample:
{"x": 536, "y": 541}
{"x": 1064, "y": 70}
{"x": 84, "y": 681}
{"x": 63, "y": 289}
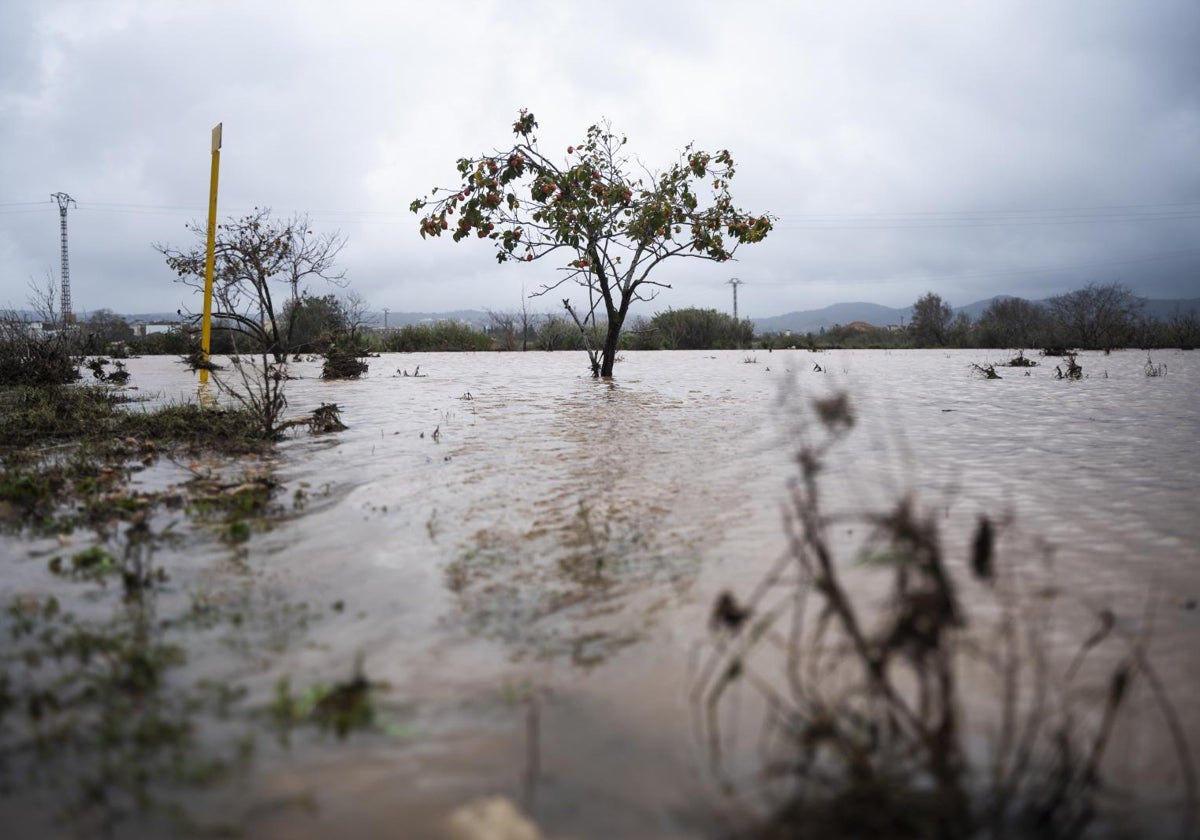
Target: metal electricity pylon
{"x": 64, "y": 201}
{"x": 733, "y": 281}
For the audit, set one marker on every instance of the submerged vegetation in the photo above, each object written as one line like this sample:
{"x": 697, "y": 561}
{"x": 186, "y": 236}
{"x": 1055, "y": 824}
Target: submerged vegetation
{"x": 33, "y": 357}
{"x": 100, "y": 722}
{"x": 33, "y": 415}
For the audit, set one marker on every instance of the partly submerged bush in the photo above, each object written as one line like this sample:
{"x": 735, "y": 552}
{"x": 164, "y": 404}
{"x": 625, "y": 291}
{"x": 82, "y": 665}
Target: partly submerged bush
{"x": 343, "y": 361}
{"x": 33, "y": 357}
{"x": 1074, "y": 369}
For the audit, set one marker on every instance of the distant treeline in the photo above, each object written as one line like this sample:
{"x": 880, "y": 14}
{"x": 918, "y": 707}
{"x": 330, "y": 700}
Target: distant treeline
{"x": 1097, "y": 317}
{"x": 1093, "y": 318}
{"x": 684, "y": 329}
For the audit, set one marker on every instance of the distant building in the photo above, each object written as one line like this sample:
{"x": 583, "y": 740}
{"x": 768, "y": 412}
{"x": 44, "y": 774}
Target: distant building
{"x": 13, "y": 326}
{"x": 141, "y": 329}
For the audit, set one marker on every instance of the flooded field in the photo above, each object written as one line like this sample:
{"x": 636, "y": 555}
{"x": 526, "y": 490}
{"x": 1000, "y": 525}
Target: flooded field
{"x": 522, "y": 562}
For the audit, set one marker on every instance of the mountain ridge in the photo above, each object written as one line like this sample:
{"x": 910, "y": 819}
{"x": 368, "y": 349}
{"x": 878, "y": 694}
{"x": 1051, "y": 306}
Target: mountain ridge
{"x": 840, "y": 314}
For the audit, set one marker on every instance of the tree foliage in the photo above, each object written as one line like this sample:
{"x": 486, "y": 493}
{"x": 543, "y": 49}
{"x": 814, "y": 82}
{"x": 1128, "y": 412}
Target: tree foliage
{"x": 931, "y": 321}
{"x": 173, "y": 342}
{"x": 557, "y": 333}
{"x": 700, "y": 329}
{"x": 261, "y": 271}
{"x": 611, "y": 226}
{"x": 104, "y": 328}
{"x": 1097, "y": 316}
{"x": 444, "y": 336}
{"x": 1012, "y": 322}
{"x": 315, "y": 322}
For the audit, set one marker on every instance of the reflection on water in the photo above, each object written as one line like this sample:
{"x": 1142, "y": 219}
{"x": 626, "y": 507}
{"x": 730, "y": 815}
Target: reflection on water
{"x": 98, "y": 726}
{"x": 563, "y": 539}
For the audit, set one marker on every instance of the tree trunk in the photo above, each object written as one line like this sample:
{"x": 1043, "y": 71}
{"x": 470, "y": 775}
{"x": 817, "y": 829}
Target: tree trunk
{"x": 609, "y": 355}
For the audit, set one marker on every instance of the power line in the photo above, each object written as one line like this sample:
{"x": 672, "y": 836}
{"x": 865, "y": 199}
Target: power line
{"x": 1077, "y": 267}
{"x": 1017, "y": 272}
{"x": 977, "y": 221}
{"x": 1123, "y": 214}
{"x": 994, "y": 212}
{"x": 880, "y": 220}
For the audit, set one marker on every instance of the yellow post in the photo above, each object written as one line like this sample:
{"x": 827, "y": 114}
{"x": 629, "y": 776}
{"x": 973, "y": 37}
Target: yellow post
{"x": 206, "y": 323}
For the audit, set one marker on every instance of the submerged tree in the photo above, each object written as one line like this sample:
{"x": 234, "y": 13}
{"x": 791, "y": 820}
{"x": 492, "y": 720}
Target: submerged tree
{"x": 1012, "y": 322}
{"x": 932, "y": 318}
{"x": 262, "y": 268}
{"x": 1097, "y": 317}
{"x": 612, "y": 226}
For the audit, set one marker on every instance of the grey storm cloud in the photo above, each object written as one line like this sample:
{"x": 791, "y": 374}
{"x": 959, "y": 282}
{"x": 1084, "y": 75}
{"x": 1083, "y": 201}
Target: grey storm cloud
{"x": 969, "y": 149}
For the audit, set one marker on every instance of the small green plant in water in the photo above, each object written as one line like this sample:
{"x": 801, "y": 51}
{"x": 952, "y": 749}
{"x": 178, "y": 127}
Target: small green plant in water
{"x": 91, "y": 564}
{"x": 342, "y": 707}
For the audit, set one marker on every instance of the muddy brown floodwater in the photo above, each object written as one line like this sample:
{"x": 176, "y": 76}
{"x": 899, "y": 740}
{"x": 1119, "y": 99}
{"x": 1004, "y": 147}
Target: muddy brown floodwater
{"x": 524, "y": 561}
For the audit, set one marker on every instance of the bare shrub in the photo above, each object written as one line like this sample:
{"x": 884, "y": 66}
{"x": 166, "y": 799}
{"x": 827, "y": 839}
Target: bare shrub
{"x": 38, "y": 352}
{"x": 259, "y": 390}
{"x": 1074, "y": 369}
{"x": 856, "y": 654}
{"x": 255, "y": 383}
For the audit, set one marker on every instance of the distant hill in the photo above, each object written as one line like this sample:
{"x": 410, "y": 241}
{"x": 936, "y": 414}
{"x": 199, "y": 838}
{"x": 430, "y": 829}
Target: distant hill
{"x": 841, "y": 314}
{"x": 1164, "y": 310}
{"x": 815, "y": 320}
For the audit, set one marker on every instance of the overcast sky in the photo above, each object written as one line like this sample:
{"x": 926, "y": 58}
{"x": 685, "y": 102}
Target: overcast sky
{"x": 970, "y": 149}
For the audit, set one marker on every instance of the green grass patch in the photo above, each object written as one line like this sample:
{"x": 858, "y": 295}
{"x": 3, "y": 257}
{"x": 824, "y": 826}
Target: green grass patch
{"x": 30, "y": 416}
